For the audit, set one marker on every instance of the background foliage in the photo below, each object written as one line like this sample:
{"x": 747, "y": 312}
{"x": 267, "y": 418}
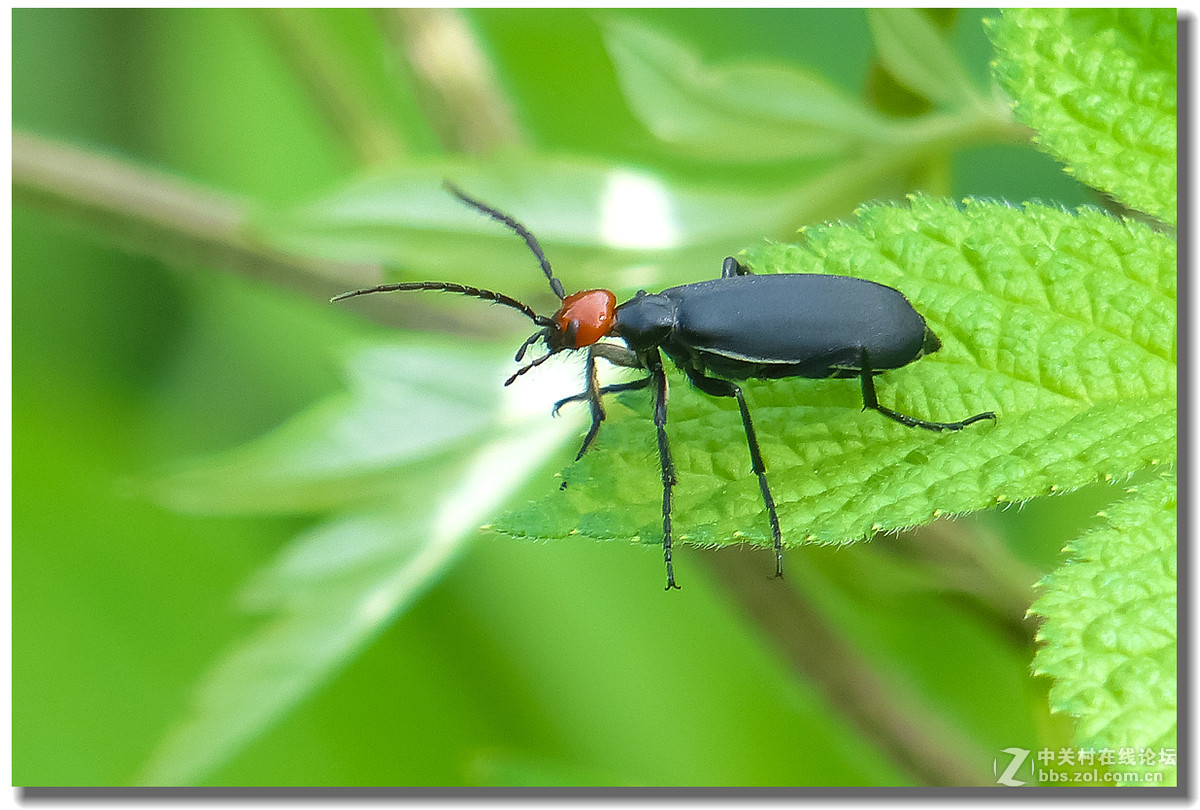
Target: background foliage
{"x": 515, "y": 663}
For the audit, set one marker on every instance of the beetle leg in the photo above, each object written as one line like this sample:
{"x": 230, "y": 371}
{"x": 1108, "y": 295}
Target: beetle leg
{"x": 723, "y": 388}
{"x": 652, "y": 360}
{"x": 870, "y": 401}
{"x": 616, "y": 388}
{"x": 593, "y": 393}
{"x": 732, "y": 267}
{"x": 617, "y": 355}
{"x": 594, "y": 399}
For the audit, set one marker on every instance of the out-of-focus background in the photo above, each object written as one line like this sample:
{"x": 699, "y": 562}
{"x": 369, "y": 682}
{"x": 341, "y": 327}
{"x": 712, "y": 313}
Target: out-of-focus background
{"x": 509, "y": 662}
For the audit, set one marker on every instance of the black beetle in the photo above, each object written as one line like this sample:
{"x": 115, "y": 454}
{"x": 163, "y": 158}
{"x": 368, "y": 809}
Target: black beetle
{"x": 737, "y": 327}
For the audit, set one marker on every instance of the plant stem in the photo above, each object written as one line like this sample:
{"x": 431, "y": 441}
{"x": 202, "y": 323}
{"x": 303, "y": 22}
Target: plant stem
{"x": 338, "y": 93}
{"x": 454, "y": 80}
{"x": 913, "y": 143}
{"x": 963, "y": 559}
{"x": 163, "y": 216}
{"x": 156, "y": 214}
{"x": 909, "y": 732}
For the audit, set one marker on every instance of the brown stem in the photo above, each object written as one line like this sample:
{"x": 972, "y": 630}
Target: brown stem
{"x": 454, "y": 80}
{"x": 962, "y": 559}
{"x": 157, "y": 214}
{"x": 909, "y": 732}
{"x": 161, "y": 215}
{"x": 336, "y": 90}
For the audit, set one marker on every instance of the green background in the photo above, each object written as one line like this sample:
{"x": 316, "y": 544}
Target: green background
{"x": 528, "y": 663}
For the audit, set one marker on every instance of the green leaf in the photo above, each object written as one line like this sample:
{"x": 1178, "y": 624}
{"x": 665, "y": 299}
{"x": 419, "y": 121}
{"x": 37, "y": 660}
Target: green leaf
{"x": 1062, "y": 323}
{"x": 416, "y": 459}
{"x": 400, "y": 408}
{"x": 1099, "y": 87}
{"x": 330, "y": 591}
{"x": 740, "y": 111}
{"x": 917, "y": 55}
{"x": 583, "y": 212}
{"x": 1109, "y": 635}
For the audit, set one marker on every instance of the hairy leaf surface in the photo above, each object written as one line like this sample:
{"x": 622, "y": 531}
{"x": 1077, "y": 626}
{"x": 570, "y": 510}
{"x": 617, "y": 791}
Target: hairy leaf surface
{"x": 1099, "y": 87}
{"x": 1109, "y": 633}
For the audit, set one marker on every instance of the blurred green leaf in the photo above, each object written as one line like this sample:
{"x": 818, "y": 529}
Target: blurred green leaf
{"x": 740, "y": 111}
{"x": 1061, "y": 323}
{"x": 332, "y": 66}
{"x": 1109, "y": 636}
{"x": 494, "y": 769}
{"x": 575, "y": 202}
{"x": 394, "y": 454}
{"x": 1099, "y": 86}
{"x": 401, "y": 407}
{"x": 581, "y": 210}
{"x": 917, "y": 55}
{"x": 887, "y": 95}
{"x": 331, "y": 590}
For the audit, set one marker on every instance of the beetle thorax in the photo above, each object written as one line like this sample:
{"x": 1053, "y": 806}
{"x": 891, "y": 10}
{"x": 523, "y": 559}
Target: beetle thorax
{"x": 645, "y": 320}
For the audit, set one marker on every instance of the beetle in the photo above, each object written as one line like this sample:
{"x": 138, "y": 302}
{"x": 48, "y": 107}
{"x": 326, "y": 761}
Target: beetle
{"x": 740, "y": 326}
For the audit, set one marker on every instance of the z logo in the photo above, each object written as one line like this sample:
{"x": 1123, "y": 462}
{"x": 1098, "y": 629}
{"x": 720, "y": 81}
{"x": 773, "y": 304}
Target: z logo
{"x": 1019, "y": 756}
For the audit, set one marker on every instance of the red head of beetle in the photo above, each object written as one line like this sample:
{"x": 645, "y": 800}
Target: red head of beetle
{"x": 584, "y": 318}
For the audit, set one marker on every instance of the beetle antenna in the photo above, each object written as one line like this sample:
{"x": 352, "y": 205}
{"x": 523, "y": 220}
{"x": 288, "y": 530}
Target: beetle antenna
{"x": 521, "y": 231}
{"x": 528, "y": 367}
{"x": 448, "y": 286}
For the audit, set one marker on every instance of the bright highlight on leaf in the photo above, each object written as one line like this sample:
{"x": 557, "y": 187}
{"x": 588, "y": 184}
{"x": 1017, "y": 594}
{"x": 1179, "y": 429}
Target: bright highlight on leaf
{"x": 1099, "y": 87}
{"x": 636, "y": 212}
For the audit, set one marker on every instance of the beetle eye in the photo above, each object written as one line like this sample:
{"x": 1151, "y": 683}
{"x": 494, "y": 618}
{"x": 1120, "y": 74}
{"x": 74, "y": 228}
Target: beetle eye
{"x": 571, "y": 334}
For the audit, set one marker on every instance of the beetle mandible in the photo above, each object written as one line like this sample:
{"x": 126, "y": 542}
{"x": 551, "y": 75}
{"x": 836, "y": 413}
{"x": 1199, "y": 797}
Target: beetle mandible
{"x": 737, "y": 327}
